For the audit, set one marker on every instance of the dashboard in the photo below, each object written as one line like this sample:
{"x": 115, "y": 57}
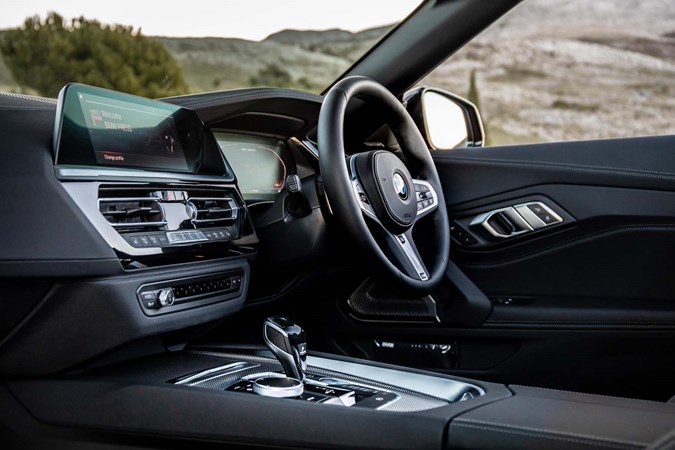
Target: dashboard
{"x": 140, "y": 209}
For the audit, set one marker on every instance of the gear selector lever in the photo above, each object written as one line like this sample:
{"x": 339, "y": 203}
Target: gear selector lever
{"x": 287, "y": 341}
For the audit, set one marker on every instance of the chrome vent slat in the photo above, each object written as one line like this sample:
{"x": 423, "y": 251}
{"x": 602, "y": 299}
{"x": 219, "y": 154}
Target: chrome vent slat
{"x": 214, "y": 210}
{"x": 129, "y": 212}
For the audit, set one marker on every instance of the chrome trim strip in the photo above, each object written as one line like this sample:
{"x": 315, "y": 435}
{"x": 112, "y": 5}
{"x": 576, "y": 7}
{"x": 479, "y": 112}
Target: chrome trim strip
{"x": 278, "y": 392}
{"x": 307, "y": 145}
{"x": 234, "y": 207}
{"x": 403, "y": 241}
{"x": 530, "y": 217}
{"x": 92, "y": 173}
{"x": 483, "y": 220}
{"x": 441, "y": 388}
{"x": 546, "y": 208}
{"x": 236, "y": 366}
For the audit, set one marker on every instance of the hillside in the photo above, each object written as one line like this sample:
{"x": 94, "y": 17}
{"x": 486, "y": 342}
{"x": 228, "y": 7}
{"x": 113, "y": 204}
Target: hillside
{"x": 549, "y": 70}
{"x": 312, "y": 58}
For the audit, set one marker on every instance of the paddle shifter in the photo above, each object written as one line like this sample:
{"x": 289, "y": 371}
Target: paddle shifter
{"x": 287, "y": 341}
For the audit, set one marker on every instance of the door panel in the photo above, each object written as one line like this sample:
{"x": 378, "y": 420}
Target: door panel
{"x": 607, "y": 266}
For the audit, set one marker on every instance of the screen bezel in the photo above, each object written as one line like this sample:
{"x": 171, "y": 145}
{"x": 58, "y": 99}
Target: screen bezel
{"x": 73, "y": 145}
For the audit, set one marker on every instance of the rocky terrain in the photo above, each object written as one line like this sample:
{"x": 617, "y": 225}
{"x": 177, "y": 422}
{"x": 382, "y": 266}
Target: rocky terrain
{"x": 572, "y": 69}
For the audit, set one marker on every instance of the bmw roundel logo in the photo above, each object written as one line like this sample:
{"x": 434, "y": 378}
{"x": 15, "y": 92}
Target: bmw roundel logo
{"x": 400, "y": 186}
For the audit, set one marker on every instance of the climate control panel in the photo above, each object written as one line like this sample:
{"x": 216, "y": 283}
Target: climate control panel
{"x": 185, "y": 293}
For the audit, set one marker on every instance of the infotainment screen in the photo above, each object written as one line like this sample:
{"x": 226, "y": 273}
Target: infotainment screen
{"x": 99, "y": 127}
{"x": 123, "y": 133}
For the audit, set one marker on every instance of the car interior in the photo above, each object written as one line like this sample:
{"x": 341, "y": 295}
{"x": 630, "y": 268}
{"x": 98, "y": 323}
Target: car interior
{"x": 272, "y": 268}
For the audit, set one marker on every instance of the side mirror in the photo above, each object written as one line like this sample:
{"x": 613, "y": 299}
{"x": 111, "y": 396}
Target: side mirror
{"x": 446, "y": 120}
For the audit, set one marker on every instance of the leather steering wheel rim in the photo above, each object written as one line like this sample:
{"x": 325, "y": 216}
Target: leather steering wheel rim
{"x": 339, "y": 181}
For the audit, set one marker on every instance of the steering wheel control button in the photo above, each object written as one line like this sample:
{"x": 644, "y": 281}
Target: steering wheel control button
{"x": 278, "y": 387}
{"x": 166, "y": 297}
{"x": 425, "y": 196}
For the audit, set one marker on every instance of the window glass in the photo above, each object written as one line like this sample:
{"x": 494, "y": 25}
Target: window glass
{"x": 555, "y": 70}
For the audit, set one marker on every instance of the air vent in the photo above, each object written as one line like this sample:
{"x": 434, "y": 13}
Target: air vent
{"x": 213, "y": 211}
{"x": 132, "y": 213}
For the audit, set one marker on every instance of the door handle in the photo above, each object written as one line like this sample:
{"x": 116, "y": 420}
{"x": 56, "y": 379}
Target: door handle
{"x": 515, "y": 220}
{"x": 502, "y": 223}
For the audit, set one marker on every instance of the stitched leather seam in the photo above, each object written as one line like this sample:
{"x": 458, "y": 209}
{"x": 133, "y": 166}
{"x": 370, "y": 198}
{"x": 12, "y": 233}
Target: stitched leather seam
{"x": 558, "y": 326}
{"x": 562, "y": 322}
{"x": 650, "y": 402}
{"x": 576, "y": 167}
{"x": 573, "y": 242}
{"x": 665, "y": 444}
{"x": 546, "y": 434}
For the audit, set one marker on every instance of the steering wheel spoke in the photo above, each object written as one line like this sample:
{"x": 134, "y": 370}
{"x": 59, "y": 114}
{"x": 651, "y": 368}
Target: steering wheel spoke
{"x": 427, "y": 198}
{"x": 361, "y": 197}
{"x": 405, "y": 252}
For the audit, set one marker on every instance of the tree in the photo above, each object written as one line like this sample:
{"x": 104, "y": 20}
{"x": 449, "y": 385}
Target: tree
{"x": 473, "y": 96}
{"x": 46, "y": 54}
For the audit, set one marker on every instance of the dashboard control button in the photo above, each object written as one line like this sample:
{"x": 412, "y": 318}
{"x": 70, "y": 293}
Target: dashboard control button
{"x": 153, "y": 240}
{"x": 149, "y": 300}
{"x": 163, "y": 241}
{"x": 461, "y": 235}
{"x": 145, "y": 242}
{"x": 150, "y": 304}
{"x": 135, "y": 241}
{"x": 166, "y": 297}
{"x": 236, "y": 282}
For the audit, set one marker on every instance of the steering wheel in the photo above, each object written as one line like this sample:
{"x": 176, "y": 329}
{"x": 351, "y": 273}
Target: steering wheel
{"x": 377, "y": 186}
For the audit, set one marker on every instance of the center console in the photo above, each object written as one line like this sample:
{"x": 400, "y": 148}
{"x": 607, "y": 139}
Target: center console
{"x": 294, "y": 377}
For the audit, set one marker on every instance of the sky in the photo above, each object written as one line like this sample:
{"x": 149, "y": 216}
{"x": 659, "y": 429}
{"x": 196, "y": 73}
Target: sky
{"x": 247, "y": 19}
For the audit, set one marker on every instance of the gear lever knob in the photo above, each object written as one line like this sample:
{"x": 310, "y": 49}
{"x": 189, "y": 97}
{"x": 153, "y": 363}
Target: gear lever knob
{"x": 287, "y": 341}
